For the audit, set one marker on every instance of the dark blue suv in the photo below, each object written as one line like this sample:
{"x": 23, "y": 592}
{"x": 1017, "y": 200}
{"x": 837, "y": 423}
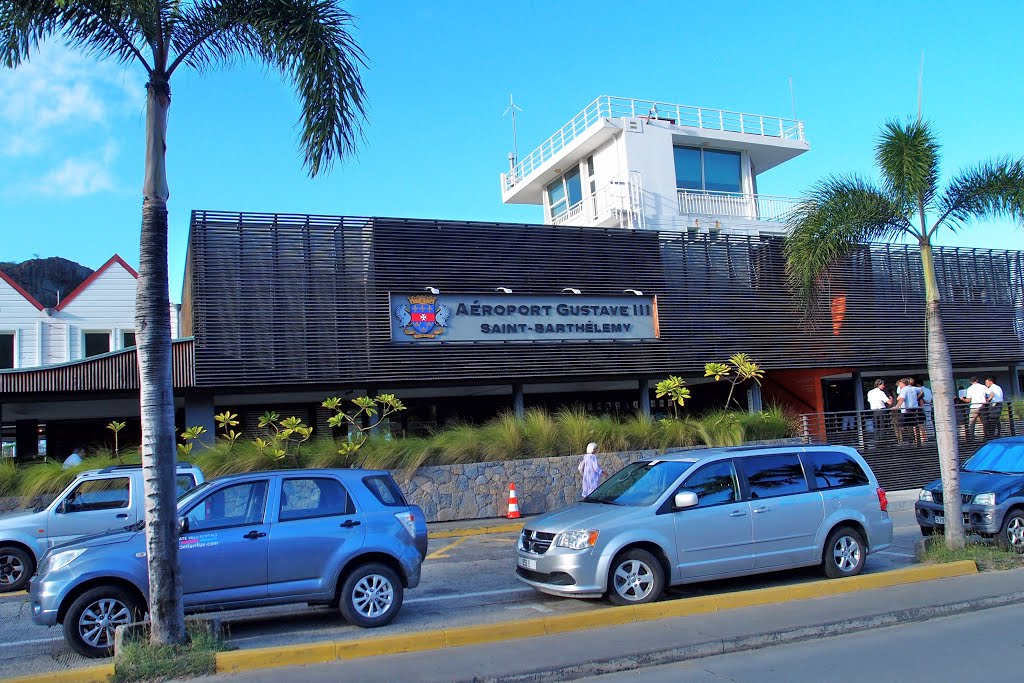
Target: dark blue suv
{"x": 992, "y": 490}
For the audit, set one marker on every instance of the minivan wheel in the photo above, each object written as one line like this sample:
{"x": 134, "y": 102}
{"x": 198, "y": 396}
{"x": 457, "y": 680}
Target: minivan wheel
{"x": 371, "y": 595}
{"x": 16, "y": 568}
{"x": 845, "y": 553}
{"x": 90, "y": 621}
{"x": 1011, "y": 536}
{"x": 636, "y": 577}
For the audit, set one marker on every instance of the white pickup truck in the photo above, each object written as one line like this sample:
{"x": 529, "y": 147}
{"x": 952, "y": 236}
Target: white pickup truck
{"x": 95, "y": 502}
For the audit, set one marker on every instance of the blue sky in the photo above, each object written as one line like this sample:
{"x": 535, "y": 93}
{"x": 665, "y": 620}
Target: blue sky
{"x": 439, "y": 78}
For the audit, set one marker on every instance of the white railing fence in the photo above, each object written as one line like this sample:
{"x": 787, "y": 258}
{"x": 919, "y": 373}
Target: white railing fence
{"x": 605, "y": 107}
{"x": 763, "y": 207}
{"x": 622, "y": 199}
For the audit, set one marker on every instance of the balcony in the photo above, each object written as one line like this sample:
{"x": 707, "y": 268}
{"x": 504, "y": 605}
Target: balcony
{"x": 605, "y": 107}
{"x": 754, "y": 207}
{"x": 620, "y": 203}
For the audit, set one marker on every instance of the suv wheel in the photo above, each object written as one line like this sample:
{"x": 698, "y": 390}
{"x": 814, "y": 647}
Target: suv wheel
{"x": 636, "y": 578}
{"x": 371, "y": 595}
{"x": 16, "y": 568}
{"x": 845, "y": 553}
{"x": 90, "y": 621}
{"x": 1011, "y": 536}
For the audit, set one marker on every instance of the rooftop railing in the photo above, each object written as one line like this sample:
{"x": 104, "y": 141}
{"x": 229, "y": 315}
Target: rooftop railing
{"x": 762, "y": 207}
{"x": 605, "y": 107}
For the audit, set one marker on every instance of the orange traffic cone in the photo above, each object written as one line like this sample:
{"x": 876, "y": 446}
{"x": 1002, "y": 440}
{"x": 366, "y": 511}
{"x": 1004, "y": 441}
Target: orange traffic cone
{"x": 513, "y": 502}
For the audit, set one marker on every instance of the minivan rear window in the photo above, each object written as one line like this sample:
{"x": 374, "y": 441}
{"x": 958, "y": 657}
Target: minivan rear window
{"x": 385, "y": 490}
{"x": 834, "y": 470}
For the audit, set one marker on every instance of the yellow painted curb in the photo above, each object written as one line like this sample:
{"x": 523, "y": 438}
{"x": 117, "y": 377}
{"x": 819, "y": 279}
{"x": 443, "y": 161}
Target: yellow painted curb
{"x": 91, "y": 674}
{"x": 244, "y": 660}
{"x": 14, "y": 594}
{"x": 476, "y": 530}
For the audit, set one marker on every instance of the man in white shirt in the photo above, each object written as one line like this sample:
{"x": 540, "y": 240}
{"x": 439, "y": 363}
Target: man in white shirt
{"x": 926, "y": 407}
{"x": 908, "y": 400}
{"x": 878, "y": 401}
{"x": 994, "y": 407}
{"x": 977, "y": 396}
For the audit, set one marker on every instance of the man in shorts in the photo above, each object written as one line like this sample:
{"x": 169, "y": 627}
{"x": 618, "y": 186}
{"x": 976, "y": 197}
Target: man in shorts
{"x": 908, "y": 400}
{"x": 977, "y": 396}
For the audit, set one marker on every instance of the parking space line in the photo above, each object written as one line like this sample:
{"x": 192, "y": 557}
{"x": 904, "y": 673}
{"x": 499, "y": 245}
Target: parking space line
{"x": 893, "y": 552}
{"x": 441, "y": 553}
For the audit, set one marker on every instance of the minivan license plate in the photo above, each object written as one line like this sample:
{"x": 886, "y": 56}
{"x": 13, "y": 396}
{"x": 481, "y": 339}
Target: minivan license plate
{"x": 526, "y": 563}
{"x": 939, "y": 519}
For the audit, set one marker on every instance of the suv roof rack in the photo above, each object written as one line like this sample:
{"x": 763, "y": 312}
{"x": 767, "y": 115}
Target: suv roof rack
{"x": 116, "y": 468}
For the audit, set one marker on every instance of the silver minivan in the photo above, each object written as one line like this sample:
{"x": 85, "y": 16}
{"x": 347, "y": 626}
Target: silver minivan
{"x": 709, "y": 514}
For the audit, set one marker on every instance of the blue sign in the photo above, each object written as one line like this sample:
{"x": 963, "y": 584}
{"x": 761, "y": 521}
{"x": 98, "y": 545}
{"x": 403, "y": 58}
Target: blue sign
{"x": 459, "y": 318}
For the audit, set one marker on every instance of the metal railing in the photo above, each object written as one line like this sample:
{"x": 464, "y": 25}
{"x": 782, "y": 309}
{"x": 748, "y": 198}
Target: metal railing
{"x": 621, "y": 199}
{"x": 763, "y": 207}
{"x": 901, "y": 452}
{"x": 606, "y": 107}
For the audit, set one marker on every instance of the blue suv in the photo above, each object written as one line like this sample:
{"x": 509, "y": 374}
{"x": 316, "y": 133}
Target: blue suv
{"x": 346, "y": 538}
{"x": 992, "y": 492}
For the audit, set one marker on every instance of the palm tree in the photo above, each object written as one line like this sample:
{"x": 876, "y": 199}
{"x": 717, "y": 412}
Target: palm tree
{"x": 309, "y": 42}
{"x": 842, "y": 212}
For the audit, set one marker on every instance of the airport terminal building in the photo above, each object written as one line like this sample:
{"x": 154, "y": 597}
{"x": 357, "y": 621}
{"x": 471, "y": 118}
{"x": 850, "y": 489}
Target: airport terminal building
{"x": 655, "y": 255}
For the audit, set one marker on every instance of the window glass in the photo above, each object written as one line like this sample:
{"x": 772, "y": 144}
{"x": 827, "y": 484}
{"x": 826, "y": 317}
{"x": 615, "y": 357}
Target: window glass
{"x": 573, "y": 187}
{"x": 556, "y": 198}
{"x": 96, "y": 343}
{"x": 714, "y": 484}
{"x": 185, "y": 482}
{"x": 99, "y": 494}
{"x": 6, "y": 350}
{"x": 997, "y": 457}
{"x": 688, "y": 174}
{"x": 721, "y": 171}
{"x": 128, "y": 340}
{"x": 385, "y": 490}
{"x": 320, "y": 497}
{"x": 640, "y": 483}
{"x": 774, "y": 475}
{"x": 230, "y": 506}
{"x": 833, "y": 470}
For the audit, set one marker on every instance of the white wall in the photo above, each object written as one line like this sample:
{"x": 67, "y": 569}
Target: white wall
{"x": 17, "y": 315}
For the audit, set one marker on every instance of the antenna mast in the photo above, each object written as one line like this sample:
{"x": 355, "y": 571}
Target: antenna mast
{"x": 513, "y": 157}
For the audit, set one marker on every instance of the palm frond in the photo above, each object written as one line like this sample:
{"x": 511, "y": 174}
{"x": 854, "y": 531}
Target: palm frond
{"x": 308, "y": 41}
{"x": 102, "y": 28}
{"x": 908, "y": 155}
{"x": 837, "y": 215}
{"x": 994, "y": 189}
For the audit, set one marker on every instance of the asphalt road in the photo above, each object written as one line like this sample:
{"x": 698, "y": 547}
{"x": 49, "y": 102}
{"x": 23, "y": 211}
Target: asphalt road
{"x": 467, "y": 580}
{"x": 984, "y": 645}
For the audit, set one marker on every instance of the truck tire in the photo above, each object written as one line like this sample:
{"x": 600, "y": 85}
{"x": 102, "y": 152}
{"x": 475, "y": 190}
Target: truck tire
{"x": 91, "y": 619}
{"x": 371, "y": 595}
{"x": 16, "y": 568}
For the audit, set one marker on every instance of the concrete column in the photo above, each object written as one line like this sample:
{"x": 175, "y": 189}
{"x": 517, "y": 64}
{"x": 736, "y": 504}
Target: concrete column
{"x": 755, "y": 403}
{"x": 645, "y": 397}
{"x": 858, "y": 391}
{"x": 1013, "y": 391}
{"x": 517, "y": 400}
{"x": 26, "y": 439}
{"x": 199, "y": 413}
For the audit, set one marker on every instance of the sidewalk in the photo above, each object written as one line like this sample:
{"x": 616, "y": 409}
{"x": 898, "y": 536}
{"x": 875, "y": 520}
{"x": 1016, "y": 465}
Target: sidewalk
{"x": 564, "y": 656}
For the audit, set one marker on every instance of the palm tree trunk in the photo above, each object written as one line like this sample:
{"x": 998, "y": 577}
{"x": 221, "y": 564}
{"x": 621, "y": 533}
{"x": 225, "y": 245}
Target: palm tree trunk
{"x": 156, "y": 392}
{"x": 940, "y": 371}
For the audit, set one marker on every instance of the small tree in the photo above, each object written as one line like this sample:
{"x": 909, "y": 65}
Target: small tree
{"x": 675, "y": 389}
{"x": 285, "y": 437}
{"x": 188, "y": 436}
{"x": 374, "y": 410}
{"x": 744, "y": 368}
{"x": 226, "y": 421}
{"x": 116, "y": 427}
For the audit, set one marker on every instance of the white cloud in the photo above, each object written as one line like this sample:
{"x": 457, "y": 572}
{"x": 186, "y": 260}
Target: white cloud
{"x": 80, "y": 176}
{"x": 60, "y": 92}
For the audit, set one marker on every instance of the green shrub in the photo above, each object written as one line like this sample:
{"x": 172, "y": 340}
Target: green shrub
{"x": 641, "y": 432}
{"x": 461, "y": 443}
{"x": 504, "y": 438}
{"x": 9, "y": 477}
{"x": 678, "y": 433}
{"x": 772, "y": 423}
{"x": 610, "y": 434}
{"x": 541, "y": 433}
{"x": 575, "y": 428}
{"x": 720, "y": 428}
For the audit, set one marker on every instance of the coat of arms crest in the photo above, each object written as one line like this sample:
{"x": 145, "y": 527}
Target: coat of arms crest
{"x": 423, "y": 317}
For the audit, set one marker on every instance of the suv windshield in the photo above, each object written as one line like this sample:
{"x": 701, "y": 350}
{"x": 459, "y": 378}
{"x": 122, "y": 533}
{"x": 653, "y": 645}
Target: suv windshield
{"x": 639, "y": 484}
{"x": 997, "y": 457}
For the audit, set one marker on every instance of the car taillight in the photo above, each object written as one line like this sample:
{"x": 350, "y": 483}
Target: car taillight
{"x": 883, "y": 501}
{"x": 408, "y": 522}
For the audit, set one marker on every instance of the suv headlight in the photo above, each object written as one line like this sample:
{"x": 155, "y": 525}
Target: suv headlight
{"x": 985, "y": 499}
{"x": 61, "y": 560}
{"x": 926, "y": 496}
{"x": 579, "y": 539}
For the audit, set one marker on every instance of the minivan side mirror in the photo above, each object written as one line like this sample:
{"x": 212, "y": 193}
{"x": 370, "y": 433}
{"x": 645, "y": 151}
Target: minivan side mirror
{"x": 183, "y": 525}
{"x": 685, "y": 499}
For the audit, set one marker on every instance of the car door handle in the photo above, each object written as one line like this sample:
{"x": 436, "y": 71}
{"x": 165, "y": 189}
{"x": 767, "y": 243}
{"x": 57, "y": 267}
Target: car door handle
{"x": 738, "y": 513}
{"x": 123, "y": 515}
{"x": 758, "y": 511}
{"x": 349, "y": 523}
{"x": 254, "y": 534}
